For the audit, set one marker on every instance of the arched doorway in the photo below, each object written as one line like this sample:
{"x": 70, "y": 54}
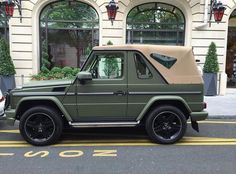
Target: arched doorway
{"x": 231, "y": 52}
{"x": 155, "y": 23}
{"x": 68, "y": 31}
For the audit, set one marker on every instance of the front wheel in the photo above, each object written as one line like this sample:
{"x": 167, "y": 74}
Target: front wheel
{"x": 41, "y": 126}
{"x": 166, "y": 124}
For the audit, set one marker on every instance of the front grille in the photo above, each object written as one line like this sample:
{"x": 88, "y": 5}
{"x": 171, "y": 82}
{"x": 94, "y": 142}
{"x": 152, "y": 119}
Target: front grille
{"x": 7, "y": 102}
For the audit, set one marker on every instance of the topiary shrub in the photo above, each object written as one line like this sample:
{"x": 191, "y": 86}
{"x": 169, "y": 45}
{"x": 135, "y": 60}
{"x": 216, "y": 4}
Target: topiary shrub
{"x": 210, "y": 69}
{"x": 44, "y": 69}
{"x": 6, "y": 66}
{"x": 67, "y": 70}
{"x": 211, "y": 63}
{"x": 109, "y": 43}
{"x": 56, "y": 70}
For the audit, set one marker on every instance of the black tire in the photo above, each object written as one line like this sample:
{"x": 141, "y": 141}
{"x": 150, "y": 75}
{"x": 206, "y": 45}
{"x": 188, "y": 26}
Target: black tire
{"x": 166, "y": 124}
{"x": 41, "y": 125}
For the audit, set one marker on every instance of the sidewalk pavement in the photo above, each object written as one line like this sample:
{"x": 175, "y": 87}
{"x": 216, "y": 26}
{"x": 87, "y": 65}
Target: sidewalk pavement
{"x": 222, "y": 106}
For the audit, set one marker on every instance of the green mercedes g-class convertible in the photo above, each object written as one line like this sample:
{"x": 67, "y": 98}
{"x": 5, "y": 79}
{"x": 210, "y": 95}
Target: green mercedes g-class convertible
{"x": 130, "y": 85}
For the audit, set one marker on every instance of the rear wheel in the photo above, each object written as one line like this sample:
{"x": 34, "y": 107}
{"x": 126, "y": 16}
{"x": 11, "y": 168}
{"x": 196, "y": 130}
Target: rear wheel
{"x": 41, "y": 125}
{"x": 166, "y": 124}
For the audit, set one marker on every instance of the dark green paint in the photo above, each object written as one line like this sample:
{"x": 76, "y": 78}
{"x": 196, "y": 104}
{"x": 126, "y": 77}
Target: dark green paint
{"x": 127, "y": 98}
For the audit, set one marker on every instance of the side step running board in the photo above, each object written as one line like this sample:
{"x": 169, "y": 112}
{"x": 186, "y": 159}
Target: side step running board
{"x": 104, "y": 124}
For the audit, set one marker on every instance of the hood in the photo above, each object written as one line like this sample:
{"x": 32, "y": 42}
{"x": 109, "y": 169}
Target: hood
{"x": 47, "y": 83}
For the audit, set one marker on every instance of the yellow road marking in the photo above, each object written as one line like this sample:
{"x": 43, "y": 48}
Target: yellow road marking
{"x": 12, "y": 142}
{"x": 7, "y": 154}
{"x": 207, "y": 139}
{"x": 132, "y": 142}
{"x": 185, "y": 139}
{"x": 207, "y": 144}
{"x": 105, "y": 153}
{"x": 71, "y": 153}
{"x": 217, "y": 122}
{"x": 31, "y": 154}
{"x": 10, "y": 131}
{"x": 126, "y": 144}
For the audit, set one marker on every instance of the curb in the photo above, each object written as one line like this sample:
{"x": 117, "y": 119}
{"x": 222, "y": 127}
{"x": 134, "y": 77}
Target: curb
{"x": 221, "y": 117}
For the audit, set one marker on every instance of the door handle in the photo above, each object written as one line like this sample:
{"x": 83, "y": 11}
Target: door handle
{"x": 119, "y": 93}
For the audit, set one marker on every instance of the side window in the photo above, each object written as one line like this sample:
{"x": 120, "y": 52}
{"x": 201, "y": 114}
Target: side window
{"x": 107, "y": 66}
{"x": 142, "y": 70}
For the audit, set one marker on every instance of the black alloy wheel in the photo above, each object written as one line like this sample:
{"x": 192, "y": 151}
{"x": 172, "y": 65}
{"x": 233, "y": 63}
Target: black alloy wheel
{"x": 166, "y": 124}
{"x": 41, "y": 126}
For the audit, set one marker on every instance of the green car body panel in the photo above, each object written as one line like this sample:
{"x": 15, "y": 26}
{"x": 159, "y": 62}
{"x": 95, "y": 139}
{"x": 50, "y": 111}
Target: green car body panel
{"x": 121, "y": 96}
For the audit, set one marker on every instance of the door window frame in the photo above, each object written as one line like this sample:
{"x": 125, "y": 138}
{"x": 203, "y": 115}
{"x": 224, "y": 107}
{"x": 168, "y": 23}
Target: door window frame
{"x": 92, "y": 57}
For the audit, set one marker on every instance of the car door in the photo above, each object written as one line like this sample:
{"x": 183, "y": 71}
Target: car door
{"x": 143, "y": 83}
{"x": 104, "y": 98}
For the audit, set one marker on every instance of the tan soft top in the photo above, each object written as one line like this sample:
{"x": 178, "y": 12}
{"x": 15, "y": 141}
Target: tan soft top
{"x": 184, "y": 71}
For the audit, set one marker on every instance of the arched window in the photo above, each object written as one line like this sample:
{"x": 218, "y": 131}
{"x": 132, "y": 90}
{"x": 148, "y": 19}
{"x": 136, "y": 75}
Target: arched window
{"x": 4, "y": 29}
{"x": 230, "y": 66}
{"x": 68, "y": 31}
{"x": 155, "y": 23}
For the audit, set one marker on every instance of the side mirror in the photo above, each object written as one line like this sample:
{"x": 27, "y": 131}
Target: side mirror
{"x": 84, "y": 76}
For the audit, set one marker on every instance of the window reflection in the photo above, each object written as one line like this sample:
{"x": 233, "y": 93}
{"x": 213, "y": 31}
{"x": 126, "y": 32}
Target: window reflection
{"x": 155, "y": 23}
{"x": 69, "y": 30}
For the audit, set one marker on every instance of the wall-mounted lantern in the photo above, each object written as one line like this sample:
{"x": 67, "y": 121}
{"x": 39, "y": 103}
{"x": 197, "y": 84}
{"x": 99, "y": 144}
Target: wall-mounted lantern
{"x": 9, "y": 7}
{"x": 112, "y": 10}
{"x": 218, "y": 9}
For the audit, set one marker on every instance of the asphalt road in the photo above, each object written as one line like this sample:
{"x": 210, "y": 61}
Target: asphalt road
{"x": 126, "y": 150}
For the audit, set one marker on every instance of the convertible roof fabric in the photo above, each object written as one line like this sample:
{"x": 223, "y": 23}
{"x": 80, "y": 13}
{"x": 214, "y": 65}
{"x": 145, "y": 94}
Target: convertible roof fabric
{"x": 184, "y": 71}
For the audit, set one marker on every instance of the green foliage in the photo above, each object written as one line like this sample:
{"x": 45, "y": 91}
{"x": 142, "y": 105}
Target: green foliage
{"x": 56, "y": 73}
{"x": 68, "y": 71}
{"x": 211, "y": 63}
{"x": 6, "y": 66}
{"x": 44, "y": 69}
{"x": 75, "y": 71}
{"x": 88, "y": 50}
{"x": 109, "y": 43}
{"x": 45, "y": 56}
{"x": 111, "y": 67}
{"x": 56, "y": 70}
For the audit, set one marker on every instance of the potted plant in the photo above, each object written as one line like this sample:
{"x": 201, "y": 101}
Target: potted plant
{"x": 210, "y": 69}
{"x": 7, "y": 69}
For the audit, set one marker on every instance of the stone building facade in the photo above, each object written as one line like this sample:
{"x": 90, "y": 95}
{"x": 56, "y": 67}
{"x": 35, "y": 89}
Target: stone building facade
{"x": 194, "y": 30}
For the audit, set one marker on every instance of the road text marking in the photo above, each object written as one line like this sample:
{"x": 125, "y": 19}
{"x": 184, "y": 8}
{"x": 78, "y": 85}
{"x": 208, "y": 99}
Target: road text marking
{"x": 71, "y": 154}
{"x": 7, "y": 154}
{"x": 105, "y": 153}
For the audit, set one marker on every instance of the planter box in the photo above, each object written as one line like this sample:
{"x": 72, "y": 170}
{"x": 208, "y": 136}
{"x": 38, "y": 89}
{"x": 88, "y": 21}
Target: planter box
{"x": 7, "y": 83}
{"x": 210, "y": 84}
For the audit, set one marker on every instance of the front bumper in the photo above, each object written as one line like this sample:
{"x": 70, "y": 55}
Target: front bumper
{"x": 197, "y": 116}
{"x": 10, "y": 116}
